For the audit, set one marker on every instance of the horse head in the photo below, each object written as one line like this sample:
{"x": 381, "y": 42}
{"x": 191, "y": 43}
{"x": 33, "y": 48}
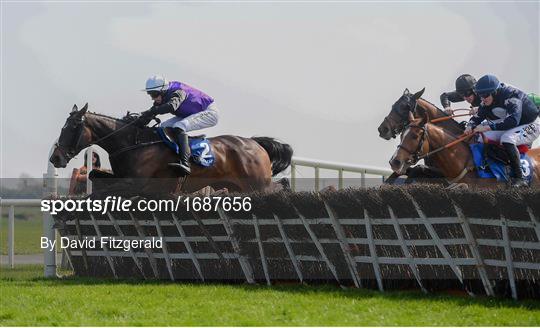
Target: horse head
{"x": 74, "y": 137}
{"x": 413, "y": 142}
{"x": 395, "y": 122}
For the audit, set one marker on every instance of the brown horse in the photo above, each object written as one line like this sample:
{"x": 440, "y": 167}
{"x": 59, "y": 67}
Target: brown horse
{"x": 396, "y": 121}
{"x": 456, "y": 162}
{"x": 139, "y": 155}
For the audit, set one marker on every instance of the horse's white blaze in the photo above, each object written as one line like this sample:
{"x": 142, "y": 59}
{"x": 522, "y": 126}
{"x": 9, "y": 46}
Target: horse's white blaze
{"x": 402, "y": 166}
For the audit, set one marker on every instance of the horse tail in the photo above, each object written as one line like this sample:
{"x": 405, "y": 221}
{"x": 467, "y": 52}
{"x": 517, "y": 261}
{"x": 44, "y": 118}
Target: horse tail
{"x": 280, "y": 153}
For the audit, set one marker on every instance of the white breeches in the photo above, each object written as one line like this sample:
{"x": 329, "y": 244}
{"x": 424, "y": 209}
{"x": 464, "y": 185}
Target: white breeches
{"x": 201, "y": 120}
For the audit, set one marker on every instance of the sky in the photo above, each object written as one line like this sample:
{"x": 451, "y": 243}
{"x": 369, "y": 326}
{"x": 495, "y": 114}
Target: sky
{"x": 320, "y": 76}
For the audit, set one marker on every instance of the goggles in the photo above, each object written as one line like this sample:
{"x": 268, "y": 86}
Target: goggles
{"x": 154, "y": 94}
{"x": 486, "y": 95}
{"x": 466, "y": 93}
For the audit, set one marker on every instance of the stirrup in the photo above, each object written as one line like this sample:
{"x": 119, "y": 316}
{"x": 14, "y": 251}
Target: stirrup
{"x": 184, "y": 170}
{"x": 519, "y": 183}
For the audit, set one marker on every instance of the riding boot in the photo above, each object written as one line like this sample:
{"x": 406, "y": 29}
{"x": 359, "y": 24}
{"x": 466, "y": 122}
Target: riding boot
{"x": 515, "y": 165}
{"x": 184, "y": 152}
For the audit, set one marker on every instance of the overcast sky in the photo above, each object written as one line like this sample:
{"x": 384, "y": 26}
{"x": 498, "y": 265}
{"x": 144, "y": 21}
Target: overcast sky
{"x": 320, "y": 76}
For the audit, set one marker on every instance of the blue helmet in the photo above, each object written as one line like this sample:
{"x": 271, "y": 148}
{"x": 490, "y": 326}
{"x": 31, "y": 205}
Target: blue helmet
{"x": 487, "y": 84}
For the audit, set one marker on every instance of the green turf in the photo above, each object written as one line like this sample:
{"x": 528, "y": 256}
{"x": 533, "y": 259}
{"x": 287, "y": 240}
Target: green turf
{"x": 27, "y": 299}
{"x": 28, "y": 230}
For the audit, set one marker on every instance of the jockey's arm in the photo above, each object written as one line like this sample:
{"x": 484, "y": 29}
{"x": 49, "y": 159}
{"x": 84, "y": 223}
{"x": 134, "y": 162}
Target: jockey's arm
{"x": 478, "y": 118}
{"x": 450, "y": 97}
{"x": 513, "y": 109}
{"x": 171, "y": 105}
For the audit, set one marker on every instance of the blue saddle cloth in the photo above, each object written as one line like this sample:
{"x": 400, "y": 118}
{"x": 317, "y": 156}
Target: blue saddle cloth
{"x": 496, "y": 169}
{"x": 201, "y": 150}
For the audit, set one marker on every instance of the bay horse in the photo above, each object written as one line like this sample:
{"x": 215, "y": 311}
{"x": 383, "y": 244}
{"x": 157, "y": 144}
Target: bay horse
{"x": 139, "y": 155}
{"x": 455, "y": 162}
{"x": 397, "y": 120}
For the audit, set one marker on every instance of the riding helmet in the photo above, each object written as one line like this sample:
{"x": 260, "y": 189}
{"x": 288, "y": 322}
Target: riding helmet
{"x": 156, "y": 83}
{"x": 487, "y": 84}
{"x": 465, "y": 83}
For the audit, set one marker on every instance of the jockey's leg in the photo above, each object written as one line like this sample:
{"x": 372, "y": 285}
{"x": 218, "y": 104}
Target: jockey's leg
{"x": 201, "y": 120}
{"x": 184, "y": 151}
{"x": 181, "y": 138}
{"x": 515, "y": 164}
{"x": 521, "y": 135}
{"x": 198, "y": 121}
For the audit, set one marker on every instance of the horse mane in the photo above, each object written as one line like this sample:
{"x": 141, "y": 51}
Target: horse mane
{"x": 114, "y": 119}
{"x": 451, "y": 124}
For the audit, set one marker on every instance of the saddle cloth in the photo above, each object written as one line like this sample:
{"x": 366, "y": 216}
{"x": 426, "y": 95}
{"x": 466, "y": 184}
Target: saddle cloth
{"x": 490, "y": 168}
{"x": 201, "y": 150}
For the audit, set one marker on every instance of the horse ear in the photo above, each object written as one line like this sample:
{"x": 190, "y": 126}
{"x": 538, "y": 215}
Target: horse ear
{"x": 411, "y": 117}
{"x": 75, "y": 108}
{"x": 84, "y": 109}
{"x": 406, "y": 92}
{"x": 419, "y": 93}
{"x": 423, "y": 113}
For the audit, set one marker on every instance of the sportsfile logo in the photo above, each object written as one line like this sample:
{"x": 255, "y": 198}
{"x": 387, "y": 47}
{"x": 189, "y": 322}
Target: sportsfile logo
{"x": 113, "y": 203}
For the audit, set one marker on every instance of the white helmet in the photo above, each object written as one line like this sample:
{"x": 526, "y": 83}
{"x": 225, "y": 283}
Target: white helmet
{"x": 156, "y": 83}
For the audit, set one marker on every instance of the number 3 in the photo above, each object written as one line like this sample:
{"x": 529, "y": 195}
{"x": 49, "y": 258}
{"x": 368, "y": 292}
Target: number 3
{"x": 525, "y": 167}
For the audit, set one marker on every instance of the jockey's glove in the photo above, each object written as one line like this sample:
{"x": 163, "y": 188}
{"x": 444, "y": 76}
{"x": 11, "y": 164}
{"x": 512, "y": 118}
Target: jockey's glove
{"x": 145, "y": 117}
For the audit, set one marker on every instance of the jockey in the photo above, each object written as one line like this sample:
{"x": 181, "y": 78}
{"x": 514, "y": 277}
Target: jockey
{"x": 512, "y": 119}
{"x": 464, "y": 92}
{"x": 193, "y": 110}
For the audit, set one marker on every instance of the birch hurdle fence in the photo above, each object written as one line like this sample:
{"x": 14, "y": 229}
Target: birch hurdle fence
{"x": 425, "y": 237}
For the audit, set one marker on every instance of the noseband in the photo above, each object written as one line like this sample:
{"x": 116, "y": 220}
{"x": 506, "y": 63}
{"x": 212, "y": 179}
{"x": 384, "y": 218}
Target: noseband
{"x": 416, "y": 156}
{"x": 400, "y": 126}
{"x": 72, "y": 151}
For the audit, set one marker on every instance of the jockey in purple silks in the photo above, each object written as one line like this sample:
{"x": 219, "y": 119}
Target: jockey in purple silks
{"x": 193, "y": 110}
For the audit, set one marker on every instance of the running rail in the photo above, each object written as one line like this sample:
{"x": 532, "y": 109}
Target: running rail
{"x": 340, "y": 167}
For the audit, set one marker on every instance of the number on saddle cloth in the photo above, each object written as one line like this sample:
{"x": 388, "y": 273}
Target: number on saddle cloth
{"x": 495, "y": 168}
{"x": 201, "y": 151}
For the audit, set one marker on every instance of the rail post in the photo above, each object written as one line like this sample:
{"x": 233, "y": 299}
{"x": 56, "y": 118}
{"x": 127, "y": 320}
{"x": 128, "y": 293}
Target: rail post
{"x": 11, "y": 237}
{"x": 49, "y": 189}
{"x": 317, "y": 186}
{"x": 89, "y": 155}
{"x": 293, "y": 176}
{"x": 363, "y": 179}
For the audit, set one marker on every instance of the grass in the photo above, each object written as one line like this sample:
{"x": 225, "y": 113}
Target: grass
{"x": 26, "y": 299}
{"x": 28, "y": 230}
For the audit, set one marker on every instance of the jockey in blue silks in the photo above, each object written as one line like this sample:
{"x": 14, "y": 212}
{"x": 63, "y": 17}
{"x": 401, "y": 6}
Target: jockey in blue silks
{"x": 508, "y": 116}
{"x": 192, "y": 110}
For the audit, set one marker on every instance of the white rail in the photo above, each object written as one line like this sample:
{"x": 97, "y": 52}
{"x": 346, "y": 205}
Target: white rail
{"x": 49, "y": 189}
{"x": 340, "y": 167}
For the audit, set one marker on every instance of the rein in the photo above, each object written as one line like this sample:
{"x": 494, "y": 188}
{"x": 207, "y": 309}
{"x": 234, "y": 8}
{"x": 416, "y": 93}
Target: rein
{"x": 125, "y": 149}
{"x": 449, "y": 117}
{"x": 135, "y": 146}
{"x": 416, "y": 154}
{"x": 448, "y": 145}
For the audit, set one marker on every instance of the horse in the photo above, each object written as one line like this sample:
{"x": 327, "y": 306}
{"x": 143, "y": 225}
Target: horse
{"x": 447, "y": 150}
{"x": 396, "y": 121}
{"x": 139, "y": 155}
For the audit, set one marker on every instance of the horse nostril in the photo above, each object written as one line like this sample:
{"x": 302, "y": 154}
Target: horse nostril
{"x": 395, "y": 162}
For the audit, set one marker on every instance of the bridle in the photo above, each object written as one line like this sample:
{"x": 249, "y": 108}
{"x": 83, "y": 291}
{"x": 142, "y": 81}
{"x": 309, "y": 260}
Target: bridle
{"x": 71, "y": 150}
{"x": 400, "y": 126}
{"x": 415, "y": 155}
